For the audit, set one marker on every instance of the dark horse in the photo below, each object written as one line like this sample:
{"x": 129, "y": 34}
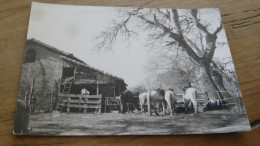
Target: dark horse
{"x": 127, "y": 101}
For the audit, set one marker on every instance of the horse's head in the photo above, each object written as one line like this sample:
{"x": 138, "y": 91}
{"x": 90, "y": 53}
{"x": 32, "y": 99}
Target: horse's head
{"x": 161, "y": 92}
{"x": 184, "y": 88}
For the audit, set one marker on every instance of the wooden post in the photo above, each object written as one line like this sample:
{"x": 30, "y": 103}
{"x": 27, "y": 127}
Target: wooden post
{"x": 61, "y": 75}
{"x": 62, "y": 66}
{"x": 97, "y": 88}
{"x": 37, "y": 104}
{"x": 51, "y": 97}
{"x": 25, "y": 97}
{"x": 59, "y": 84}
{"x": 31, "y": 93}
{"x": 114, "y": 89}
{"x": 119, "y": 89}
{"x": 99, "y": 108}
{"x": 106, "y": 104}
{"x": 74, "y": 75}
{"x": 68, "y": 105}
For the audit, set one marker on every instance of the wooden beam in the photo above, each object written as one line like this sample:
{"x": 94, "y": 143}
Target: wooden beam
{"x": 79, "y": 96}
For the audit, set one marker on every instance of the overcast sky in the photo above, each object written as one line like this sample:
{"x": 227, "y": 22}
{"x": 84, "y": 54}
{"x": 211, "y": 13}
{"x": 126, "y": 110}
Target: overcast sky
{"x": 73, "y": 28}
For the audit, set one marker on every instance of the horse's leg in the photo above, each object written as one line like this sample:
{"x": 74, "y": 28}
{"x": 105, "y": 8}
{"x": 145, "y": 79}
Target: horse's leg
{"x": 125, "y": 108}
{"x": 195, "y": 105}
{"x": 128, "y": 107}
{"x": 173, "y": 108}
{"x": 145, "y": 101}
{"x": 164, "y": 105}
{"x": 154, "y": 106}
{"x": 186, "y": 104}
{"x": 149, "y": 104}
{"x": 142, "y": 107}
{"x": 132, "y": 107}
{"x": 170, "y": 107}
{"x": 122, "y": 108}
{"x": 191, "y": 104}
{"x": 169, "y": 103}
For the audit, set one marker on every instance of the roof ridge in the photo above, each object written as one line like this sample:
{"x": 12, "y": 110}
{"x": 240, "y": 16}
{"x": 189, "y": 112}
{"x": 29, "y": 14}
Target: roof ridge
{"x": 58, "y": 50}
{"x": 42, "y": 43}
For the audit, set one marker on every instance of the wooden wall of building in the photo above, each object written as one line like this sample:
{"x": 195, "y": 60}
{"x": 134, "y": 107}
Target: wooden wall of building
{"x": 46, "y": 69}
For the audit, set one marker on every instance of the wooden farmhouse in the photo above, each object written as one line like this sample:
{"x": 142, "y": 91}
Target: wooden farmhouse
{"x": 53, "y": 79}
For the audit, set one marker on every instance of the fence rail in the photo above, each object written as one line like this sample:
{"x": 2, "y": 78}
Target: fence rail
{"x": 79, "y": 102}
{"x": 80, "y": 96}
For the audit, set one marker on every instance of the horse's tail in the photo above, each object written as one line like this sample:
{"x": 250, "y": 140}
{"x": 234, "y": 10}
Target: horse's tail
{"x": 149, "y": 102}
{"x": 122, "y": 103}
{"x": 174, "y": 98}
{"x": 142, "y": 98}
{"x": 136, "y": 103}
{"x": 196, "y": 102}
{"x": 196, "y": 94}
{"x": 170, "y": 104}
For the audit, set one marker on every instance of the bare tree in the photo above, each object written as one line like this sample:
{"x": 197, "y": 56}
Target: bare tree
{"x": 168, "y": 27}
{"x": 173, "y": 69}
{"x": 139, "y": 89}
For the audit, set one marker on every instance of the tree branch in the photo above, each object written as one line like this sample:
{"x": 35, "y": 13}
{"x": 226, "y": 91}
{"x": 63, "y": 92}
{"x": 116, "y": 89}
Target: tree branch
{"x": 175, "y": 20}
{"x": 166, "y": 15}
{"x": 195, "y": 46}
{"x": 194, "y": 13}
{"x": 158, "y": 24}
{"x": 107, "y": 38}
{"x": 218, "y": 29}
{"x": 219, "y": 70}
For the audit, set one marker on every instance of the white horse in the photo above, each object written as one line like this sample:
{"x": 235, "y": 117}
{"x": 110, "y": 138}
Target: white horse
{"x": 171, "y": 100}
{"x": 143, "y": 99}
{"x": 154, "y": 97}
{"x": 191, "y": 95}
{"x": 84, "y": 91}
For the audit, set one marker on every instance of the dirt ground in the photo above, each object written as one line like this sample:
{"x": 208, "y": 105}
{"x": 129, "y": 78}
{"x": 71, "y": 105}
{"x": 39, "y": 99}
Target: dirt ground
{"x": 136, "y": 123}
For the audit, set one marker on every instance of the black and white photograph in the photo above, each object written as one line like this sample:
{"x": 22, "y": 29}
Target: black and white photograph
{"x": 91, "y": 70}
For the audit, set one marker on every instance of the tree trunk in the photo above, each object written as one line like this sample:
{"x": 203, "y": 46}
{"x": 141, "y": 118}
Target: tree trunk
{"x": 208, "y": 83}
{"x": 218, "y": 79}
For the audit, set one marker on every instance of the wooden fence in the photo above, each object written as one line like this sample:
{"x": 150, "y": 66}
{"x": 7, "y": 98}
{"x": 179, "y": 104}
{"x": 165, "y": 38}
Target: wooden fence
{"x": 112, "y": 104}
{"x": 234, "y": 102}
{"x": 201, "y": 98}
{"x": 80, "y": 102}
